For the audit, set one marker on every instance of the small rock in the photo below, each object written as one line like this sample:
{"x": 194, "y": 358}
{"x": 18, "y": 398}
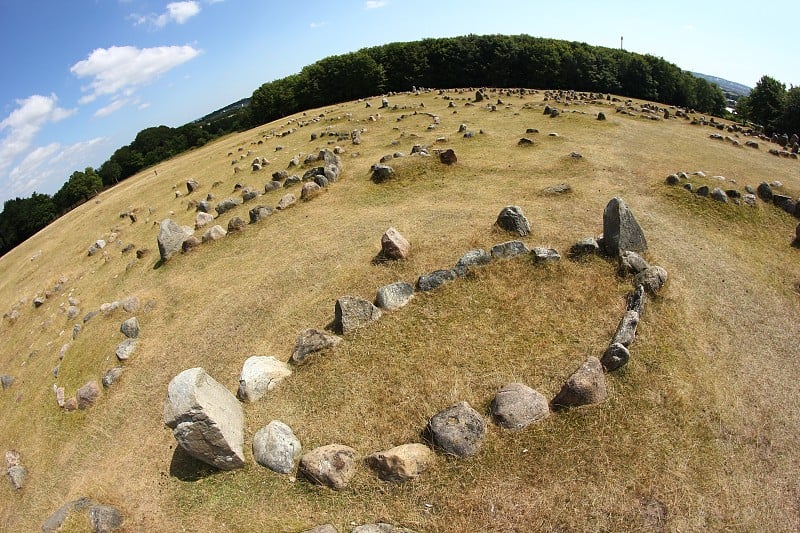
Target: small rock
{"x": 202, "y": 219}
{"x": 458, "y": 430}
{"x": 87, "y": 395}
{"x": 448, "y": 157}
{"x": 585, "y": 246}
{"x": 236, "y": 224}
{"x": 112, "y": 375}
{"x": 401, "y": 463}
{"x": 214, "y": 233}
{"x": 511, "y": 219}
{"x": 719, "y": 195}
{"x": 261, "y": 374}
{"x": 287, "y": 200}
{"x": 6, "y": 381}
{"x": 472, "y": 258}
{"x": 561, "y": 188}
{"x": 125, "y": 349}
{"x": 586, "y": 386}
{"x": 542, "y": 255}
{"x": 394, "y": 246}
{"x": 333, "y": 465}
{"x": 615, "y": 356}
{"x": 437, "y": 278}
{"x": 352, "y": 313}
{"x": 653, "y": 279}
{"x": 104, "y": 518}
{"x": 509, "y": 249}
{"x": 381, "y": 173}
{"x": 130, "y": 328}
{"x": 635, "y": 300}
{"x": 309, "y": 191}
{"x": 310, "y": 341}
{"x": 259, "y": 213}
{"x": 631, "y": 263}
{"x": 276, "y": 447}
{"x": 516, "y": 406}
{"x": 626, "y": 329}
{"x": 394, "y": 296}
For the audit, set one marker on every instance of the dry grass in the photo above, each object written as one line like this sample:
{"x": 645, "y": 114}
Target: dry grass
{"x": 698, "y": 432}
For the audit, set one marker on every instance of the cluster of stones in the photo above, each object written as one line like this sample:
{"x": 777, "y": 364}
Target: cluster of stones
{"x": 207, "y": 420}
{"x": 380, "y": 172}
{"x": 102, "y": 518}
{"x": 173, "y": 238}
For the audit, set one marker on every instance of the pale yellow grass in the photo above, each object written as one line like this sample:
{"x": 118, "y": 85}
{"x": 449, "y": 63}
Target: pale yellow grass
{"x": 698, "y": 432}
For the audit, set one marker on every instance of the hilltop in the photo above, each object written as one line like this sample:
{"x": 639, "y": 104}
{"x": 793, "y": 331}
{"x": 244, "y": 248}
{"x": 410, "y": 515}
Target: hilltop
{"x": 698, "y": 430}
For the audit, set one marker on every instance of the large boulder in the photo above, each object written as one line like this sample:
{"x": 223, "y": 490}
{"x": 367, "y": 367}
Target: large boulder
{"x": 352, "y": 313}
{"x": 394, "y": 296}
{"x": 511, "y": 219}
{"x": 401, "y": 463}
{"x": 333, "y": 465}
{"x": 171, "y": 237}
{"x": 620, "y": 230}
{"x": 312, "y": 340}
{"x": 458, "y": 430}
{"x": 517, "y": 405}
{"x": 394, "y": 245}
{"x": 586, "y": 386}
{"x": 206, "y": 419}
{"x": 260, "y": 374}
{"x": 276, "y": 447}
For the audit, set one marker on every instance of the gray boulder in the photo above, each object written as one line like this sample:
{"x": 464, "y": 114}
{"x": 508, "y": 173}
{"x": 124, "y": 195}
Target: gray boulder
{"x": 509, "y": 249}
{"x": 394, "y": 246}
{"x": 310, "y": 341}
{"x": 191, "y": 186}
{"x": 620, "y": 230}
{"x": 6, "y": 381}
{"x": 352, "y": 313}
{"x": 401, "y": 463}
{"x": 394, "y": 296}
{"x": 626, "y": 329}
{"x": 125, "y": 349}
{"x": 437, "y": 278}
{"x": 458, "y": 430}
{"x": 631, "y": 263}
{"x": 472, "y": 258}
{"x": 381, "y": 173}
{"x": 259, "y": 213}
{"x": 236, "y": 224}
{"x": 87, "y": 395}
{"x": 635, "y": 300}
{"x": 517, "y": 406}
{"x": 511, "y": 219}
{"x": 111, "y": 376}
{"x": 130, "y": 328}
{"x": 764, "y": 191}
{"x": 15, "y": 472}
{"x": 544, "y": 255}
{"x": 287, "y": 200}
{"x": 206, "y": 419}
{"x": 104, "y": 518}
{"x": 276, "y": 447}
{"x": 226, "y": 205}
{"x": 615, "y": 356}
{"x": 333, "y": 465}
{"x": 309, "y": 191}
{"x": 719, "y": 195}
{"x": 653, "y": 279}
{"x": 260, "y": 374}
{"x": 586, "y": 386}
{"x": 214, "y": 233}
{"x": 171, "y": 237}
{"x": 583, "y": 247}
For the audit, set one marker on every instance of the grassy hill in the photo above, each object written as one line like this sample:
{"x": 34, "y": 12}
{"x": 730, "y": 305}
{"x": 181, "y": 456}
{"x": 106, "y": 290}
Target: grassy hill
{"x": 698, "y": 433}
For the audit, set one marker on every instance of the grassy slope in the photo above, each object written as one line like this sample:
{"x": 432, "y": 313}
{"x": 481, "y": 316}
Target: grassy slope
{"x": 699, "y": 429}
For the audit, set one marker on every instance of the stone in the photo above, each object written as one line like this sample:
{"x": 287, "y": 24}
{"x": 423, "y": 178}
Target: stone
{"x": 401, "y": 463}
{"x": 437, "y": 278}
{"x": 620, "y": 230}
{"x": 545, "y": 255}
{"x": 16, "y": 476}
{"x": 626, "y": 329}
{"x": 190, "y": 244}
{"x": 631, "y": 263}
{"x": 260, "y": 374}
{"x": 202, "y": 219}
{"x": 653, "y": 279}
{"x": 203, "y": 206}
{"x": 381, "y": 173}
{"x": 39, "y": 301}
{"x": 394, "y": 246}
{"x": 380, "y": 527}
{"x": 764, "y": 191}
{"x": 560, "y": 188}
{"x": 517, "y": 406}
{"x": 104, "y": 518}
{"x": 72, "y": 312}
{"x": 333, "y": 465}
{"x": 509, "y": 249}
{"x": 615, "y": 356}
{"x": 236, "y": 224}
{"x": 524, "y": 141}
{"x": 636, "y": 300}
{"x": 323, "y": 528}
{"x": 394, "y": 296}
{"x": 448, "y": 157}
{"x": 458, "y": 430}
{"x": 475, "y": 257}
{"x": 111, "y": 376}
{"x": 601, "y": 116}
{"x": 749, "y": 199}
{"x": 171, "y": 237}
{"x": 719, "y": 195}
{"x": 6, "y": 381}
{"x": 783, "y": 202}
{"x": 130, "y": 328}
{"x": 76, "y": 330}
{"x": 673, "y": 179}
{"x": 310, "y": 341}
{"x": 272, "y": 186}
{"x": 703, "y": 190}
{"x": 259, "y": 213}
{"x": 276, "y": 447}
{"x": 60, "y": 401}
{"x": 586, "y": 386}
{"x": 287, "y": 200}
{"x": 214, "y": 233}
{"x": 192, "y": 185}
{"x": 309, "y": 191}
{"x": 71, "y": 404}
{"x": 125, "y": 349}
{"x": 87, "y": 395}
{"x": 352, "y": 313}
{"x": 512, "y": 219}
{"x": 206, "y": 419}
{"x": 226, "y": 205}
{"x": 130, "y": 304}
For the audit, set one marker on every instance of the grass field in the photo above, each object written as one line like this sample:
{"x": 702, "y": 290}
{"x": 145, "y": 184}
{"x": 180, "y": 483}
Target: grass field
{"x": 698, "y": 433}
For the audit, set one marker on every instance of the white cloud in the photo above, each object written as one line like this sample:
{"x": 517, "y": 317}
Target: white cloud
{"x": 375, "y": 4}
{"x": 115, "y": 105}
{"x": 25, "y": 122}
{"x": 50, "y": 166}
{"x": 143, "y": 106}
{"x": 317, "y": 24}
{"x": 178, "y": 12}
{"x": 121, "y": 69}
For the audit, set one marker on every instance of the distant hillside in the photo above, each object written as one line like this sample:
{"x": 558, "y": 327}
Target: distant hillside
{"x": 726, "y": 85}
{"x": 225, "y": 111}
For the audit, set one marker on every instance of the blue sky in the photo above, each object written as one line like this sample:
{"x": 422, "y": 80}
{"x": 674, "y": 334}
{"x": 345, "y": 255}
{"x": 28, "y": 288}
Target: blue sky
{"x": 82, "y": 77}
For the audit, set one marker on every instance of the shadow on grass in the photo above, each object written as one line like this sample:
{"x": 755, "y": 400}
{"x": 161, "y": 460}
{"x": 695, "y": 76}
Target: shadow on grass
{"x": 186, "y": 468}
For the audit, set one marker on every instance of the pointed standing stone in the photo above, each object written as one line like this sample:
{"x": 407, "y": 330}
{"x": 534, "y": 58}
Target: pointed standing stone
{"x": 621, "y": 232}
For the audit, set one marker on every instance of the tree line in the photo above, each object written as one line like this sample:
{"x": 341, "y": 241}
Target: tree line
{"x": 771, "y": 106}
{"x": 477, "y": 61}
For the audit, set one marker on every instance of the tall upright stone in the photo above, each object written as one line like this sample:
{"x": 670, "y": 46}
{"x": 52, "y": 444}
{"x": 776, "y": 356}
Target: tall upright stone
{"x": 171, "y": 237}
{"x": 206, "y": 419}
{"x": 621, "y": 232}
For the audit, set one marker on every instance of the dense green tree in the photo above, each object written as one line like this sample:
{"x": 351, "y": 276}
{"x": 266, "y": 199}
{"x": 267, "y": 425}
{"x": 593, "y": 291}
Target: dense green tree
{"x": 766, "y": 103}
{"x": 79, "y": 187}
{"x": 790, "y": 121}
